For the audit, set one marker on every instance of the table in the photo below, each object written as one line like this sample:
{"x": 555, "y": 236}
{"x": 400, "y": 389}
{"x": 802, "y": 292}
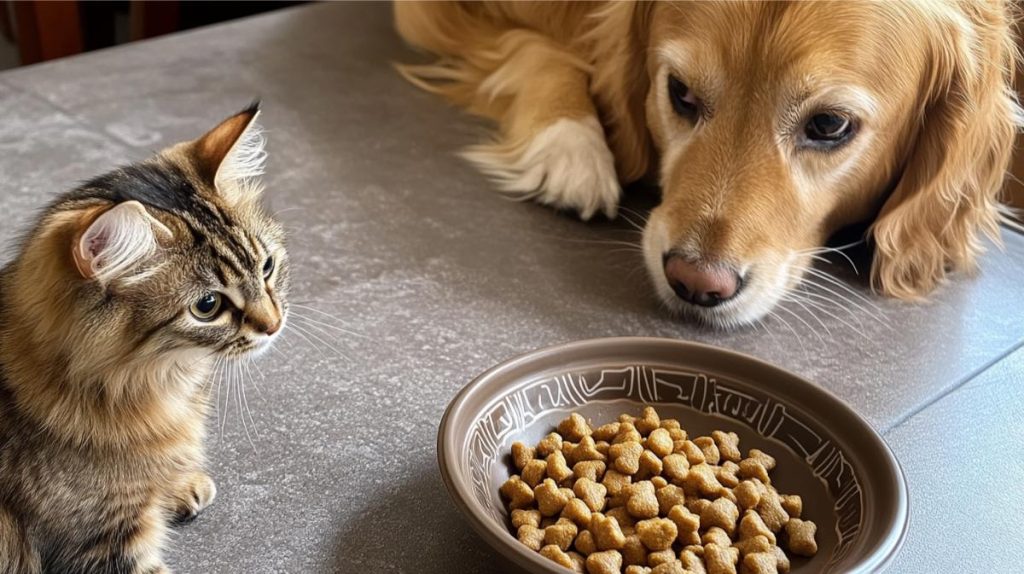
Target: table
{"x": 407, "y": 245}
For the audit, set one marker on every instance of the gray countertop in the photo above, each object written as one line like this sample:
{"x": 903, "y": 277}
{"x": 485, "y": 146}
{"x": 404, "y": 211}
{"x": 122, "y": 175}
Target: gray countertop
{"x": 403, "y": 243}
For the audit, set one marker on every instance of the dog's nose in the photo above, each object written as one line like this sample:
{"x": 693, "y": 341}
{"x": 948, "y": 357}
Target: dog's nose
{"x": 704, "y": 285}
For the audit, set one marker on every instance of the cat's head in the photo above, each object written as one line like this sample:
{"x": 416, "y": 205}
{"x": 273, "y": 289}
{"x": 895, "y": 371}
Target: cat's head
{"x": 172, "y": 254}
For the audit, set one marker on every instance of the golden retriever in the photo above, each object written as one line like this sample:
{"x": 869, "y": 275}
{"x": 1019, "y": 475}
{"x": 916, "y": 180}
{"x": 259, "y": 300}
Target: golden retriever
{"x": 769, "y": 126}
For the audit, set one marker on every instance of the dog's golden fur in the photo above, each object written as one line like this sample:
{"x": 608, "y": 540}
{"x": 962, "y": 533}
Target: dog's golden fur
{"x": 578, "y": 92}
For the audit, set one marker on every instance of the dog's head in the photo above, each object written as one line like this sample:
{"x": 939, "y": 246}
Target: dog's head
{"x": 772, "y": 125}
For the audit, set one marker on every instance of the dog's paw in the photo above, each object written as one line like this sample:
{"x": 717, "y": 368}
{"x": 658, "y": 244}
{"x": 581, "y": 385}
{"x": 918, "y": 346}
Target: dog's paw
{"x": 197, "y": 492}
{"x": 567, "y": 165}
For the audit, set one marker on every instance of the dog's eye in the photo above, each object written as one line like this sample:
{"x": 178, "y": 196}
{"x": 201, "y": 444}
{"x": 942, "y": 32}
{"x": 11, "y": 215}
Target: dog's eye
{"x": 828, "y": 129}
{"x": 684, "y": 102}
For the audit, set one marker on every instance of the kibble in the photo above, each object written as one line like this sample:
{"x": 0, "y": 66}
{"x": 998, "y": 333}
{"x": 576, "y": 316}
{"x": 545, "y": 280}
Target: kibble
{"x": 637, "y": 496}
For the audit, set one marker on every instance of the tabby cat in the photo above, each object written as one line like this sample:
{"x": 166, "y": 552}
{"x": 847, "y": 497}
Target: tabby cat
{"x": 112, "y": 315}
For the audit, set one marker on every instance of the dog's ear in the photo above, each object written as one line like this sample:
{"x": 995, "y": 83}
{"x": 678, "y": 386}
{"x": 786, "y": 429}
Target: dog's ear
{"x": 947, "y": 196}
{"x": 619, "y": 84}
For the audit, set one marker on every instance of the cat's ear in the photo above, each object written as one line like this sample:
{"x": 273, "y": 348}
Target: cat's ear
{"x": 117, "y": 241}
{"x": 231, "y": 156}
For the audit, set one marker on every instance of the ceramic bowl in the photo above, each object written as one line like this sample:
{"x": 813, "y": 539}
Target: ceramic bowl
{"x": 851, "y": 483}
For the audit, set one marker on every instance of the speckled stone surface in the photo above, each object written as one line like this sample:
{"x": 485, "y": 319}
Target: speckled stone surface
{"x": 403, "y": 243}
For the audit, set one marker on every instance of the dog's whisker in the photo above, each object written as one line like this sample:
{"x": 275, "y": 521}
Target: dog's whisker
{"x": 878, "y": 315}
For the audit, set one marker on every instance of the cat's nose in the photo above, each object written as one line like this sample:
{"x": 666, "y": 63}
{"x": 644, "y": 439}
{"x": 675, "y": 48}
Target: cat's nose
{"x": 272, "y": 328}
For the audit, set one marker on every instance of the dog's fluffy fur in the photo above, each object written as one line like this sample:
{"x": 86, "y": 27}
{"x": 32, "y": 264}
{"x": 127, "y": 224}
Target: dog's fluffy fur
{"x": 579, "y": 92}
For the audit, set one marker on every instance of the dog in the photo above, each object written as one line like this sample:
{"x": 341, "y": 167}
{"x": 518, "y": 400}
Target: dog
{"x": 768, "y": 125}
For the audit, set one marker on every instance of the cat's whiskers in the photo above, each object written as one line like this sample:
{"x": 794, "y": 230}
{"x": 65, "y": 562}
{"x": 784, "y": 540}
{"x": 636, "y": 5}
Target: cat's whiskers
{"x": 336, "y": 323}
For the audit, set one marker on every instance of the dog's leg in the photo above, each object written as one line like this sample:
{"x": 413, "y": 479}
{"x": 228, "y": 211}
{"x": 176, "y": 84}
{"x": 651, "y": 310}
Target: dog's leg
{"x": 551, "y": 146}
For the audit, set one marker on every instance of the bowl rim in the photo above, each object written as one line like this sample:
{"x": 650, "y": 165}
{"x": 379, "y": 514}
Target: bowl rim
{"x": 448, "y": 451}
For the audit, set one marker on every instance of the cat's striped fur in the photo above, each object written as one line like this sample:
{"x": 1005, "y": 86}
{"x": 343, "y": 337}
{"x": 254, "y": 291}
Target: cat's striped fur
{"x": 106, "y": 350}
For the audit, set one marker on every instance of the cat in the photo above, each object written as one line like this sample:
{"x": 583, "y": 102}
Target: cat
{"x": 121, "y": 299}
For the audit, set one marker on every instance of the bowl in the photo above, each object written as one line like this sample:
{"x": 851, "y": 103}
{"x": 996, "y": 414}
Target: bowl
{"x": 851, "y": 483}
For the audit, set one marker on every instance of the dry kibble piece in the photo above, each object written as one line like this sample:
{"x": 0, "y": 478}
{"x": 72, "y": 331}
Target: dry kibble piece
{"x": 622, "y": 516}
{"x": 801, "y": 537}
{"x": 752, "y": 525}
{"x": 522, "y": 454}
{"x": 633, "y": 551}
{"x": 657, "y": 533}
{"x": 660, "y": 442}
{"x": 551, "y": 499}
{"x": 586, "y": 450}
{"x": 606, "y": 531}
{"x": 760, "y": 563}
{"x": 607, "y": 562}
{"x": 675, "y": 467}
{"x": 716, "y": 535}
{"x": 561, "y": 534}
{"x": 661, "y": 556}
{"x": 585, "y": 543}
{"x": 669, "y": 424}
{"x": 602, "y": 447}
{"x": 627, "y": 418}
{"x": 697, "y": 505}
{"x": 606, "y": 432}
{"x": 591, "y": 493}
{"x": 650, "y": 465}
{"x": 574, "y": 427}
{"x": 721, "y": 513}
{"x": 634, "y": 569}
{"x": 549, "y": 444}
{"x": 766, "y": 460}
{"x": 748, "y": 494}
{"x": 548, "y": 521}
{"x": 522, "y": 516}
{"x": 579, "y": 563}
{"x": 592, "y": 469}
{"x": 627, "y": 433}
{"x": 578, "y": 512}
{"x": 530, "y": 536}
{"x": 694, "y": 455}
{"x": 625, "y": 456}
{"x": 728, "y": 444}
{"x": 707, "y": 446}
{"x": 556, "y": 555}
{"x": 792, "y": 504}
{"x": 643, "y": 502}
{"x": 669, "y": 496}
{"x": 557, "y": 467}
{"x": 781, "y": 559}
{"x": 700, "y": 479}
{"x": 518, "y": 493}
{"x": 721, "y": 559}
{"x": 753, "y": 545}
{"x": 534, "y": 472}
{"x": 673, "y": 567}
{"x": 693, "y": 561}
{"x": 726, "y": 474}
{"x": 753, "y": 468}
{"x": 659, "y": 482}
{"x": 648, "y": 421}
{"x": 687, "y": 524}
{"x": 771, "y": 511}
{"x": 675, "y": 433}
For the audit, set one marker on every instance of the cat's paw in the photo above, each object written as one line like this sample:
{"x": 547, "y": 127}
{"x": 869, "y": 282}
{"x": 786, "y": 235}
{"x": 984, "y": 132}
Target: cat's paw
{"x": 566, "y": 165}
{"x": 197, "y": 491}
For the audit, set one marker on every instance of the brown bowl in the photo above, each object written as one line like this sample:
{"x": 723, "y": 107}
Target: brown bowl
{"x": 850, "y": 482}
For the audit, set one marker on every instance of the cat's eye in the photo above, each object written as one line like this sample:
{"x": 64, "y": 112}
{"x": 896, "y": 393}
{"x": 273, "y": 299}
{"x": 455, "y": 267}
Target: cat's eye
{"x": 206, "y": 307}
{"x": 268, "y": 267}
{"x": 828, "y": 130}
{"x": 684, "y": 101}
